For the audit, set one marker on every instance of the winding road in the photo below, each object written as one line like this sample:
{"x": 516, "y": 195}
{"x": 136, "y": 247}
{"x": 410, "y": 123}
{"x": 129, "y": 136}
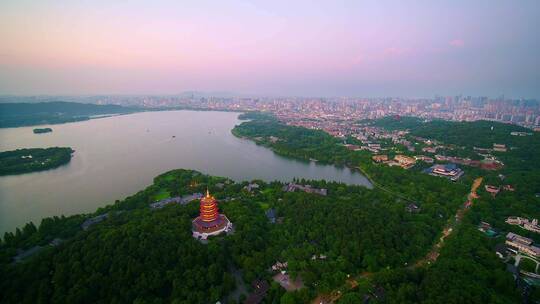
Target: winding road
{"x": 431, "y": 257}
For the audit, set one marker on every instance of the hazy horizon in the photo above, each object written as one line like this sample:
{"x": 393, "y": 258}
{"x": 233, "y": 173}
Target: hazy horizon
{"x": 210, "y": 94}
{"x": 306, "y": 48}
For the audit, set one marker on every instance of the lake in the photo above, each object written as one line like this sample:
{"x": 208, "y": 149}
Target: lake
{"x": 118, "y": 156}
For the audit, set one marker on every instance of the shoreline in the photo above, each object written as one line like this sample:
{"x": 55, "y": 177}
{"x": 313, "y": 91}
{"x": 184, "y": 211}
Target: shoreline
{"x": 92, "y": 117}
{"x": 303, "y": 169}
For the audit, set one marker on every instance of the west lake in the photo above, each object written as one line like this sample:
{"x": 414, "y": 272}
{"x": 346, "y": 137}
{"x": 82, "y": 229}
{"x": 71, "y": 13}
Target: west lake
{"x": 118, "y": 156}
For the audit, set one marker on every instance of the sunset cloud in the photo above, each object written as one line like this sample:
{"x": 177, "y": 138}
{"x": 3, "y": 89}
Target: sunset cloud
{"x": 457, "y": 43}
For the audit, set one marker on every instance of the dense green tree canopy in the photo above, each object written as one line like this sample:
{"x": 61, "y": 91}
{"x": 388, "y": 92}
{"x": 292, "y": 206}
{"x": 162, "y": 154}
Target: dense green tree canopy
{"x": 143, "y": 255}
{"x": 31, "y": 160}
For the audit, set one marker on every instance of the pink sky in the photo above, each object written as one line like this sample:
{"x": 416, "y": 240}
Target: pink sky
{"x": 361, "y": 48}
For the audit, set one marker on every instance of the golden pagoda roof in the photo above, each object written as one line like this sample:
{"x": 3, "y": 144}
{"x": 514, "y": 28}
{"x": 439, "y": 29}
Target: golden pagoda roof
{"x": 208, "y": 197}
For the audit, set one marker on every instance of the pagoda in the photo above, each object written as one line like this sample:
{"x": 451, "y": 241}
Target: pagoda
{"x": 210, "y": 221}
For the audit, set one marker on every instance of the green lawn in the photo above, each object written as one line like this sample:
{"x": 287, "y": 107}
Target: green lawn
{"x": 162, "y": 194}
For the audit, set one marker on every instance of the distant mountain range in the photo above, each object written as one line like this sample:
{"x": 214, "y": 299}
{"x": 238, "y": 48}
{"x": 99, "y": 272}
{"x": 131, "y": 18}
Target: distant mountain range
{"x": 30, "y": 114}
{"x": 113, "y": 98}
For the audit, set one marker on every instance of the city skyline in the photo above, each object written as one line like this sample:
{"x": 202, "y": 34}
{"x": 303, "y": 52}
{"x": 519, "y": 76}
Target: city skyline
{"x": 364, "y": 49}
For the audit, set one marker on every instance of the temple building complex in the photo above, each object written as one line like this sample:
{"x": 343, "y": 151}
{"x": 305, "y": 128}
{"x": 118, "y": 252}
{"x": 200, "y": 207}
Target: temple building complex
{"x": 450, "y": 171}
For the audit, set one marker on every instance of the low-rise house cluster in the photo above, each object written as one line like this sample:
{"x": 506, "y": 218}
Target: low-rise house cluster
{"x": 371, "y": 147}
{"x": 404, "y": 142}
{"x": 379, "y": 158}
{"x": 292, "y": 187}
{"x": 340, "y": 116}
{"x": 520, "y": 133}
{"x": 493, "y": 190}
{"x": 424, "y": 158}
{"x": 432, "y": 150}
{"x": 482, "y": 151}
{"x": 509, "y": 188}
{"x": 278, "y": 266}
{"x": 522, "y": 244}
{"x": 525, "y": 223}
{"x": 352, "y": 147}
{"x": 458, "y": 160}
{"x": 487, "y": 229}
{"x": 427, "y": 141}
{"x": 404, "y": 161}
{"x": 490, "y": 163}
{"x": 499, "y": 148}
{"x": 483, "y": 226}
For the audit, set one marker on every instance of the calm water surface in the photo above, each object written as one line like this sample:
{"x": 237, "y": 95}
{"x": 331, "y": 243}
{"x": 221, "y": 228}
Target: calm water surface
{"x": 118, "y": 156}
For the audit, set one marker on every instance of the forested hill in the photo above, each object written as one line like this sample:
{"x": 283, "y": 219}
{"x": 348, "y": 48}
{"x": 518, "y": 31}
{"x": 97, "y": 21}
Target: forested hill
{"x": 28, "y": 114}
{"x": 479, "y": 133}
{"x": 467, "y": 270}
{"x": 138, "y": 254}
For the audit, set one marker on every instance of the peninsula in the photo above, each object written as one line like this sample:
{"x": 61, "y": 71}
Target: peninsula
{"x": 41, "y": 113}
{"x": 411, "y": 238}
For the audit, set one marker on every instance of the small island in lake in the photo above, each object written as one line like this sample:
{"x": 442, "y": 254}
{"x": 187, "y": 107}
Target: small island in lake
{"x": 42, "y": 130}
{"x": 34, "y": 159}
